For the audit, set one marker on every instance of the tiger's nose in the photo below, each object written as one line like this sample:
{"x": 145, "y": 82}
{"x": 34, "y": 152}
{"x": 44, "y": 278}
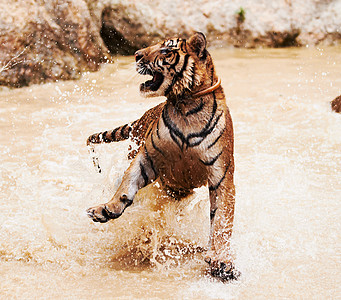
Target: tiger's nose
{"x": 138, "y": 55}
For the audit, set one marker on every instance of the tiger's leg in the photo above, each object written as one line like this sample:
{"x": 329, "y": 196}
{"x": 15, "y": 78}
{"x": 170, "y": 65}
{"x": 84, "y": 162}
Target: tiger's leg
{"x": 222, "y": 201}
{"x": 140, "y": 173}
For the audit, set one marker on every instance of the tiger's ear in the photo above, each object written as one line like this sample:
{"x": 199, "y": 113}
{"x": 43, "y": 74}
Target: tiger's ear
{"x": 197, "y": 44}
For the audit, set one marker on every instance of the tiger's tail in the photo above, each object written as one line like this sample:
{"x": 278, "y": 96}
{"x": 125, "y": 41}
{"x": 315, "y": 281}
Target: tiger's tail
{"x": 118, "y": 134}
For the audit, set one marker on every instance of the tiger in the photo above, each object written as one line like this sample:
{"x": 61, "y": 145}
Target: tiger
{"x": 185, "y": 142}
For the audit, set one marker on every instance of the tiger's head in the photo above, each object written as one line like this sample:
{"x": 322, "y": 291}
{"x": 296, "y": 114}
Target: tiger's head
{"x": 176, "y": 65}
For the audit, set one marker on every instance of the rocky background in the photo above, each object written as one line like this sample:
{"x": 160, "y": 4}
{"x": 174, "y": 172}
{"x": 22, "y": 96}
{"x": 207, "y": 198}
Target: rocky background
{"x": 48, "y": 40}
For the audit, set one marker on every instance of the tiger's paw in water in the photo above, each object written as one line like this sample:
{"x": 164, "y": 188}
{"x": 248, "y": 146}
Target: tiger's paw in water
{"x": 112, "y": 210}
{"x": 101, "y": 213}
{"x": 222, "y": 271}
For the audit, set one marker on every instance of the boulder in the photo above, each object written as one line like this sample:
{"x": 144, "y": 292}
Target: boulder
{"x": 46, "y": 41}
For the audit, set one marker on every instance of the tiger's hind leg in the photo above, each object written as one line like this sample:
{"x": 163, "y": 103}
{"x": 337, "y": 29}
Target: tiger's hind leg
{"x": 140, "y": 173}
{"x": 222, "y": 201}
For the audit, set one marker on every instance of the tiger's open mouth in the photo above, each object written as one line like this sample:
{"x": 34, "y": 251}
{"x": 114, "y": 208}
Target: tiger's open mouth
{"x": 154, "y": 83}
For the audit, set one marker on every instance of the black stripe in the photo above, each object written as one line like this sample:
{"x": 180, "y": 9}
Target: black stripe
{"x": 150, "y": 161}
{"x": 203, "y": 133}
{"x": 177, "y": 59}
{"x": 122, "y": 130}
{"x": 157, "y": 130}
{"x": 192, "y": 77}
{"x": 184, "y": 66}
{"x": 204, "y": 55}
{"x": 183, "y": 46}
{"x": 206, "y": 133}
{"x": 177, "y": 75}
{"x": 172, "y": 127}
{"x": 208, "y": 124}
{"x": 215, "y": 187}
{"x": 158, "y": 63}
{"x": 216, "y": 140}
{"x": 212, "y": 161}
{"x": 94, "y": 138}
{"x": 195, "y": 110}
{"x": 144, "y": 175}
{"x": 212, "y": 213}
{"x": 174, "y": 138}
{"x": 155, "y": 147}
{"x": 104, "y": 137}
{"x": 113, "y": 134}
{"x": 175, "y": 132}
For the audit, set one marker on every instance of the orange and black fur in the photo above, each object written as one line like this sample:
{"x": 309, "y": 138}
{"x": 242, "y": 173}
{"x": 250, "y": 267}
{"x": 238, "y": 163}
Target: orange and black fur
{"x": 186, "y": 141}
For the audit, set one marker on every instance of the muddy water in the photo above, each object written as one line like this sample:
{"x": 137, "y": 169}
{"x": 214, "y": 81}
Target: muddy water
{"x": 286, "y": 236}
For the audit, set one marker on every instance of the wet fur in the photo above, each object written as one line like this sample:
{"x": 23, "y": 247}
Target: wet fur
{"x": 186, "y": 141}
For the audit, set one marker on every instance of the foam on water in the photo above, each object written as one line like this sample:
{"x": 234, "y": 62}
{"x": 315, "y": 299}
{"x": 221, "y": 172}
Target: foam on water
{"x": 286, "y": 236}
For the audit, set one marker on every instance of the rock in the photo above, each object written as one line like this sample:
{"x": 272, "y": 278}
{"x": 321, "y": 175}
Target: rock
{"x": 248, "y": 24}
{"x": 336, "y": 104}
{"x": 47, "y": 40}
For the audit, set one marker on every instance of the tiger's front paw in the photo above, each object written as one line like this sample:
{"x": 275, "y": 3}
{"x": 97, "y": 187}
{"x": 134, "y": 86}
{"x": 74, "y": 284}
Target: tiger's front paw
{"x": 101, "y": 213}
{"x": 222, "y": 270}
